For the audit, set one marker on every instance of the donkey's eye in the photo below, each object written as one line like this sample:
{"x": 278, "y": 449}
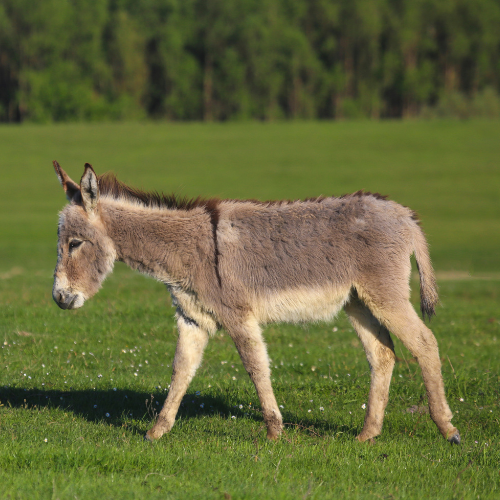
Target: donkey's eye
{"x": 74, "y": 244}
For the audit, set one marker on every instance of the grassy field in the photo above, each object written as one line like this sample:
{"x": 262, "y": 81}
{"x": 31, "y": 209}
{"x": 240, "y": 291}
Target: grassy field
{"x": 78, "y": 389}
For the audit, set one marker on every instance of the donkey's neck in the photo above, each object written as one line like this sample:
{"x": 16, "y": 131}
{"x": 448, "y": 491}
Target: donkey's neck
{"x": 167, "y": 244}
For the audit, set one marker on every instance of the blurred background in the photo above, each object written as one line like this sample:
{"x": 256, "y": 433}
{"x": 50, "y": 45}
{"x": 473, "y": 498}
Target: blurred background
{"x": 255, "y": 99}
{"x": 216, "y": 60}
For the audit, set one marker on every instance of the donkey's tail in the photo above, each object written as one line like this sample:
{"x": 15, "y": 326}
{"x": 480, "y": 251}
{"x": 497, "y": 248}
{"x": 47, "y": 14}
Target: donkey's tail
{"x": 428, "y": 286}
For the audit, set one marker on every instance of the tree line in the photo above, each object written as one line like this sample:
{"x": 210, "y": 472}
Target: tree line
{"x": 63, "y": 60}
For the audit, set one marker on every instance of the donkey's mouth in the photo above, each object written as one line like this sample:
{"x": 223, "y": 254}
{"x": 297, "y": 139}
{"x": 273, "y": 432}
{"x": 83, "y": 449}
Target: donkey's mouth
{"x": 68, "y": 301}
{"x": 67, "y": 305}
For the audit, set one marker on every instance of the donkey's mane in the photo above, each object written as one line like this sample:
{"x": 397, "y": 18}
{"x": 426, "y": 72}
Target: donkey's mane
{"x": 109, "y": 185}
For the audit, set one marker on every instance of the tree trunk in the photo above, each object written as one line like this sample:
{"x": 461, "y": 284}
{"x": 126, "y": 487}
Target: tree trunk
{"x": 410, "y": 106}
{"x": 208, "y": 89}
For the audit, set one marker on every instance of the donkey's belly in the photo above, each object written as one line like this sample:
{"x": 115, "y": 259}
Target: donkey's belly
{"x": 300, "y": 304}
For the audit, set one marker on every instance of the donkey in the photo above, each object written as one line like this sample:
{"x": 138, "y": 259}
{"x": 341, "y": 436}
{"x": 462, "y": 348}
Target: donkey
{"x": 240, "y": 264}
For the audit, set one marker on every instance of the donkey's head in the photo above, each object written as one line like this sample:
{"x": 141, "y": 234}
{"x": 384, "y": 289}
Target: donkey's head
{"x": 85, "y": 254}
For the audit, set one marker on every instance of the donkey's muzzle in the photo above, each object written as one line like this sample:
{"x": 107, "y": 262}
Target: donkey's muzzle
{"x": 66, "y": 300}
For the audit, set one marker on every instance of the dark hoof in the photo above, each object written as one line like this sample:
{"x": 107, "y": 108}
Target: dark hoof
{"x": 455, "y": 439}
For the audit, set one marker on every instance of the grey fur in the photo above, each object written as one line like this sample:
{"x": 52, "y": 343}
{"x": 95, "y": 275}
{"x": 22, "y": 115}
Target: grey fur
{"x": 241, "y": 264}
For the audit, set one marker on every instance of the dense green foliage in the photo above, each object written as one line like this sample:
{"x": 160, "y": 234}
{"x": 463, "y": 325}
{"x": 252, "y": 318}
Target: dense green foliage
{"x": 78, "y": 389}
{"x": 66, "y": 60}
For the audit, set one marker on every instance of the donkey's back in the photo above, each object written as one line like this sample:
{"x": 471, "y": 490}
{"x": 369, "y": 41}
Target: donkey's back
{"x": 305, "y": 258}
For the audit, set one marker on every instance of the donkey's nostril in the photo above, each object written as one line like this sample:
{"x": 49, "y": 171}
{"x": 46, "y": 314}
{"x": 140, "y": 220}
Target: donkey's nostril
{"x": 59, "y": 299}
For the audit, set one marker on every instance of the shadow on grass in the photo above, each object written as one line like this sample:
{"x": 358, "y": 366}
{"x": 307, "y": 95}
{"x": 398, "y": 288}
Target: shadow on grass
{"x": 117, "y": 407}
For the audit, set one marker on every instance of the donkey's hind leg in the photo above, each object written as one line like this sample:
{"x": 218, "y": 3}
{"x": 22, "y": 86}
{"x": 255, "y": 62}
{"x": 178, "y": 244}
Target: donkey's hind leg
{"x": 247, "y": 337}
{"x": 379, "y": 350}
{"x": 401, "y": 319}
{"x": 188, "y": 354}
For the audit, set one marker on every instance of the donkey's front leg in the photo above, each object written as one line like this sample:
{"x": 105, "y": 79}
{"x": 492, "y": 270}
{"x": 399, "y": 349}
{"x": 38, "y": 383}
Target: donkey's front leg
{"x": 188, "y": 354}
{"x": 247, "y": 337}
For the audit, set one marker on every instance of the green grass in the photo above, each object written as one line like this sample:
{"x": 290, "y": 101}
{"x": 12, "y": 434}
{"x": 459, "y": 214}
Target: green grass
{"x": 63, "y": 372}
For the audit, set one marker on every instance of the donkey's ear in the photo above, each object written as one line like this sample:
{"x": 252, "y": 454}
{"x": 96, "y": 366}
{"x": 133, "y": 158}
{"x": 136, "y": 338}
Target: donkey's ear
{"x": 70, "y": 187}
{"x": 90, "y": 190}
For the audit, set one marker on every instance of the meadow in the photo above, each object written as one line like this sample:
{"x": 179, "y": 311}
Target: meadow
{"x": 78, "y": 389}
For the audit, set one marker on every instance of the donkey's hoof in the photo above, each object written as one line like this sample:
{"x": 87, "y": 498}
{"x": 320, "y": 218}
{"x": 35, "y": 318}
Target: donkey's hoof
{"x": 455, "y": 439}
{"x": 365, "y": 438}
{"x": 149, "y": 437}
{"x": 369, "y": 441}
{"x": 272, "y": 435}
